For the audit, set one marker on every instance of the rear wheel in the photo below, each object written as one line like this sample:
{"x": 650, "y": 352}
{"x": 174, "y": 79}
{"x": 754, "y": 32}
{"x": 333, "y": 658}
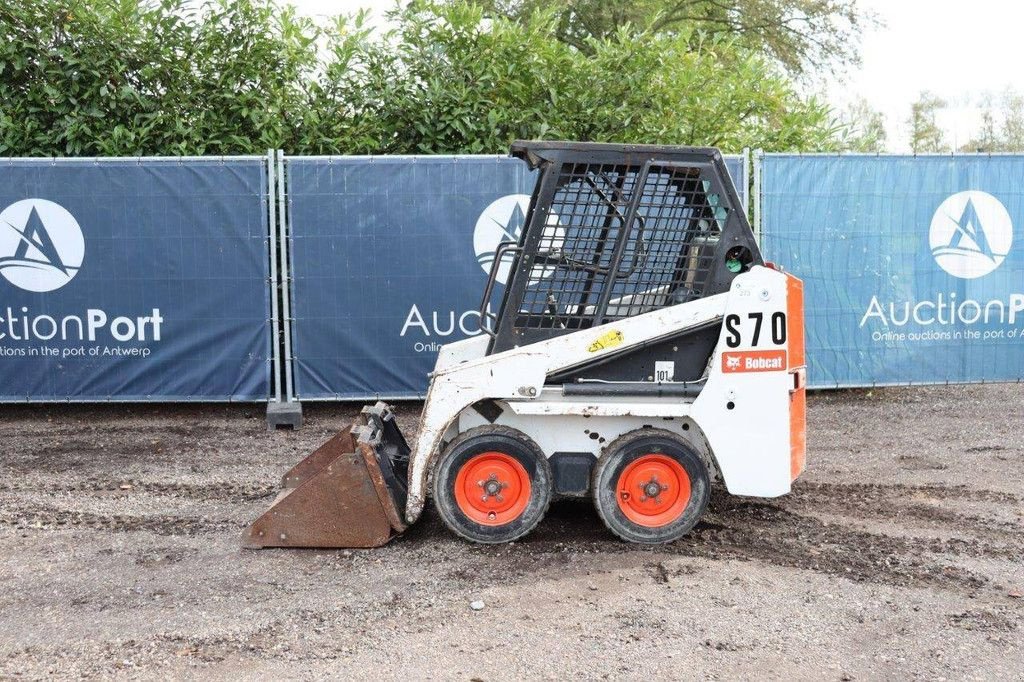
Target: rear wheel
{"x": 650, "y": 487}
{"x": 492, "y": 484}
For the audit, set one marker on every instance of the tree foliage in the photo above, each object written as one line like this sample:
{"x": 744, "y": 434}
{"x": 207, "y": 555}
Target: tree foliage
{"x": 862, "y": 128}
{"x": 126, "y": 77}
{"x": 447, "y": 80}
{"x": 926, "y": 136}
{"x": 799, "y": 34}
{"x": 1002, "y": 124}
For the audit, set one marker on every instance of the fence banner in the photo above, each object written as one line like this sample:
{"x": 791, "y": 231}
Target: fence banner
{"x": 389, "y": 258}
{"x": 737, "y": 166}
{"x": 913, "y": 266}
{"x": 140, "y": 279}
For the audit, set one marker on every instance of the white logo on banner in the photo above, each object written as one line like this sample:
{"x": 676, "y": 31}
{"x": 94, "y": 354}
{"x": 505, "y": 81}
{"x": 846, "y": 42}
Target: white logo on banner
{"x": 970, "y": 235}
{"x": 502, "y": 221}
{"x": 41, "y": 245}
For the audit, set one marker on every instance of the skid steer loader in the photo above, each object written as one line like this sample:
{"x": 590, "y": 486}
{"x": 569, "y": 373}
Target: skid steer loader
{"x": 642, "y": 349}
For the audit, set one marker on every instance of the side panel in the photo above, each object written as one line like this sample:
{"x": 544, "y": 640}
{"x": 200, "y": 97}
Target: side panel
{"x": 798, "y": 368}
{"x": 745, "y": 410}
{"x": 576, "y": 433}
{"x": 456, "y": 353}
{"x": 683, "y": 357}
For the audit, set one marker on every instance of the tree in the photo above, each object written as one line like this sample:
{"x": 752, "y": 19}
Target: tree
{"x": 1002, "y": 124}
{"x": 987, "y": 138}
{"x": 925, "y": 134}
{"x": 133, "y": 77}
{"x": 1013, "y": 121}
{"x": 801, "y": 34}
{"x": 863, "y": 128}
{"x": 120, "y": 77}
{"x": 447, "y": 80}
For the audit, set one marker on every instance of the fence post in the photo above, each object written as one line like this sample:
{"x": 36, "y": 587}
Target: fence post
{"x": 285, "y": 227}
{"x": 275, "y": 317}
{"x": 289, "y": 412}
{"x": 746, "y": 180}
{"x": 758, "y": 158}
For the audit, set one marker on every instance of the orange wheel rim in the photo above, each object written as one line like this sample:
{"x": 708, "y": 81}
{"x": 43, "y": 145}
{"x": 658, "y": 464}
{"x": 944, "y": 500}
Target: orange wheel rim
{"x": 653, "y": 490}
{"x": 492, "y": 488}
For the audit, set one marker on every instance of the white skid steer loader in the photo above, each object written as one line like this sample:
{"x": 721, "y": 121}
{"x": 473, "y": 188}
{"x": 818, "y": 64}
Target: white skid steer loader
{"x": 642, "y": 349}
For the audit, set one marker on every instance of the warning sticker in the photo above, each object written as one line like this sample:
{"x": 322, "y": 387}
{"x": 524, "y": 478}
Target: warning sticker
{"x": 606, "y": 340}
{"x": 754, "y": 361}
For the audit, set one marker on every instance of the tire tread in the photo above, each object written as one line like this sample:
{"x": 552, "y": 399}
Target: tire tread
{"x": 608, "y": 459}
{"x": 490, "y": 430}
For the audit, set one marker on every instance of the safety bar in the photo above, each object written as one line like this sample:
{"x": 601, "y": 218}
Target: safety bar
{"x": 492, "y": 278}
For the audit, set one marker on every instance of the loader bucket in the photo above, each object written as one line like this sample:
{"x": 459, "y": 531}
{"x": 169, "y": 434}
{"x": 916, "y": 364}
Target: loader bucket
{"x": 350, "y": 492}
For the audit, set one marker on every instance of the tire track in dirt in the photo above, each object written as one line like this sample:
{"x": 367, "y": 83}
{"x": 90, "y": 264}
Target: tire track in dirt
{"x": 785, "y": 533}
{"x": 65, "y": 446}
{"x": 777, "y": 536}
{"x": 27, "y": 514}
{"x": 897, "y": 490}
{"x": 219, "y": 491}
{"x": 902, "y": 503}
{"x": 45, "y": 517}
{"x": 782, "y": 533}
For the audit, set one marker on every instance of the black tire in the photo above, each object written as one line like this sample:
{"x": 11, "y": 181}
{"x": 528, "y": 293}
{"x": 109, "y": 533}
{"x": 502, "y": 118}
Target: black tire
{"x": 627, "y": 449}
{"x": 504, "y": 440}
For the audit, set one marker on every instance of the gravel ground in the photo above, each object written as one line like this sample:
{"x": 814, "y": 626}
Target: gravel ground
{"x": 898, "y": 555}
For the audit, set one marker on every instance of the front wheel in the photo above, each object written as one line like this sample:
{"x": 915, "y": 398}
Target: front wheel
{"x": 492, "y": 484}
{"x": 650, "y": 487}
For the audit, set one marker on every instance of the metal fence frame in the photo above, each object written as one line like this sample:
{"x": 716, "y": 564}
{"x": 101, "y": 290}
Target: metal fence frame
{"x": 275, "y": 281}
{"x": 284, "y": 235}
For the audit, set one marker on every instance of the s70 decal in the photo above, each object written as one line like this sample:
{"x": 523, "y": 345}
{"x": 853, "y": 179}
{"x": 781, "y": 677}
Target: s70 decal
{"x": 754, "y": 330}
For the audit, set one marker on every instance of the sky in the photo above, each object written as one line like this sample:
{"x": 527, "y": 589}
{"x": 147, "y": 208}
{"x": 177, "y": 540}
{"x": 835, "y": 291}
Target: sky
{"x": 958, "y": 50}
{"x": 955, "y": 49}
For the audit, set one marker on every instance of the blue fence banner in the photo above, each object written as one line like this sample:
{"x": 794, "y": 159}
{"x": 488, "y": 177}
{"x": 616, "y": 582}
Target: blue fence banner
{"x": 737, "y": 166}
{"x": 389, "y": 257}
{"x": 913, "y": 266}
{"x": 134, "y": 279}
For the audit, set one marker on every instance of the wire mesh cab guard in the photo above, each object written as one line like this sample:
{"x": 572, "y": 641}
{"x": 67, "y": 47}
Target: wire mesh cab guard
{"x": 614, "y": 231}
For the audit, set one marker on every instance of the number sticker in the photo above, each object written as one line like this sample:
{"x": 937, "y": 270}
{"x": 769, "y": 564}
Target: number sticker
{"x": 749, "y": 332}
